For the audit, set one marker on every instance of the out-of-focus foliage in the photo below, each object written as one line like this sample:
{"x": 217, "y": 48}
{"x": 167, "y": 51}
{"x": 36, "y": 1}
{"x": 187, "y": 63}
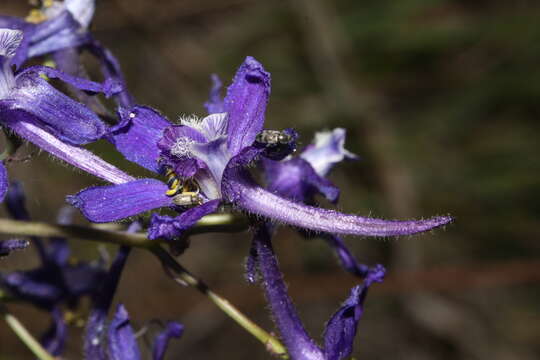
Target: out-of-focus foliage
{"x": 441, "y": 101}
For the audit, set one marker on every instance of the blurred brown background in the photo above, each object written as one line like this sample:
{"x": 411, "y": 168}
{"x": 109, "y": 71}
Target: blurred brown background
{"x": 440, "y": 99}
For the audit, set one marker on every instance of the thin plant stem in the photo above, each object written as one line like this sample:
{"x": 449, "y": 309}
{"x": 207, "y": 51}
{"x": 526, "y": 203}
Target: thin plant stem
{"x": 184, "y": 277}
{"x": 208, "y": 224}
{"x": 23, "y": 334}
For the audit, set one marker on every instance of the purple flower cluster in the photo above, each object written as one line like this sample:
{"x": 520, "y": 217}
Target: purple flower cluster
{"x": 200, "y": 164}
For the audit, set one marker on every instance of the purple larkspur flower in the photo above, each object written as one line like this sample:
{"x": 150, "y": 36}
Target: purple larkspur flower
{"x": 63, "y": 32}
{"x": 115, "y": 340}
{"x": 211, "y": 156}
{"x": 39, "y": 113}
{"x": 340, "y": 330}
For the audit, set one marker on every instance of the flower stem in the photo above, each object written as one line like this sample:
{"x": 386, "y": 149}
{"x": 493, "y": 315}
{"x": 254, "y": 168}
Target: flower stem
{"x": 272, "y": 344}
{"x": 209, "y": 223}
{"x": 23, "y": 334}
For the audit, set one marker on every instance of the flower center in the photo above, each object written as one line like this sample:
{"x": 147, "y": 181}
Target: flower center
{"x": 182, "y": 147}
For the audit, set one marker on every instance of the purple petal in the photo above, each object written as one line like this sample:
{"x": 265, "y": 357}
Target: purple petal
{"x": 116, "y": 202}
{"x": 169, "y": 228}
{"x": 109, "y": 87}
{"x": 3, "y": 181}
{"x": 95, "y": 337}
{"x": 137, "y": 135}
{"x": 215, "y": 103}
{"x": 55, "y": 337}
{"x": 76, "y": 156}
{"x": 45, "y": 106}
{"x": 173, "y": 329}
{"x": 327, "y": 150}
{"x": 293, "y": 334}
{"x": 341, "y": 328}
{"x": 122, "y": 343}
{"x": 7, "y": 246}
{"x": 59, "y": 32}
{"x": 240, "y": 189}
{"x": 245, "y": 103}
{"x": 296, "y": 179}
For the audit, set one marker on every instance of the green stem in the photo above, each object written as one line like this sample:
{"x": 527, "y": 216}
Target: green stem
{"x": 272, "y": 344}
{"x": 209, "y": 223}
{"x": 23, "y": 334}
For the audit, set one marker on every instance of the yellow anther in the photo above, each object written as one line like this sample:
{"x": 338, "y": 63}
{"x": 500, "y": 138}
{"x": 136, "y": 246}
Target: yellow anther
{"x": 36, "y": 16}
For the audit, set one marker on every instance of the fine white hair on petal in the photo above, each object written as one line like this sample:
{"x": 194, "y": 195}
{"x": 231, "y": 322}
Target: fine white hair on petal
{"x": 9, "y": 42}
{"x": 82, "y": 10}
{"x": 212, "y": 127}
{"x": 327, "y": 149}
{"x": 182, "y": 147}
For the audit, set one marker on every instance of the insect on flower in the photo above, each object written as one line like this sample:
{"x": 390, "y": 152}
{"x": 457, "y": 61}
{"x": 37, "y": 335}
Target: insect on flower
{"x": 183, "y": 193}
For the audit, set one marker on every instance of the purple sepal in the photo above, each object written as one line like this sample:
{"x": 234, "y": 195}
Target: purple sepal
{"x": 3, "y": 181}
{"x": 327, "y": 149}
{"x": 34, "y": 100}
{"x": 239, "y": 188}
{"x": 116, "y": 202}
{"x": 51, "y": 35}
{"x": 74, "y": 155}
{"x": 122, "y": 343}
{"x": 341, "y": 328}
{"x": 110, "y": 67}
{"x": 137, "y": 135}
{"x": 7, "y": 246}
{"x": 169, "y": 228}
{"x": 296, "y": 179}
{"x": 55, "y": 337}
{"x": 245, "y": 103}
{"x": 344, "y": 255}
{"x": 95, "y": 337}
{"x": 215, "y": 104}
{"x": 172, "y": 329}
{"x": 109, "y": 87}
{"x": 299, "y": 345}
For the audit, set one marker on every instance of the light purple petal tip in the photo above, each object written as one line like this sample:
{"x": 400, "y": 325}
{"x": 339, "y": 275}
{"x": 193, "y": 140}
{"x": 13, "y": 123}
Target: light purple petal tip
{"x": 116, "y": 202}
{"x": 327, "y": 149}
{"x": 173, "y": 329}
{"x": 9, "y": 42}
{"x": 245, "y": 103}
{"x": 241, "y": 190}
